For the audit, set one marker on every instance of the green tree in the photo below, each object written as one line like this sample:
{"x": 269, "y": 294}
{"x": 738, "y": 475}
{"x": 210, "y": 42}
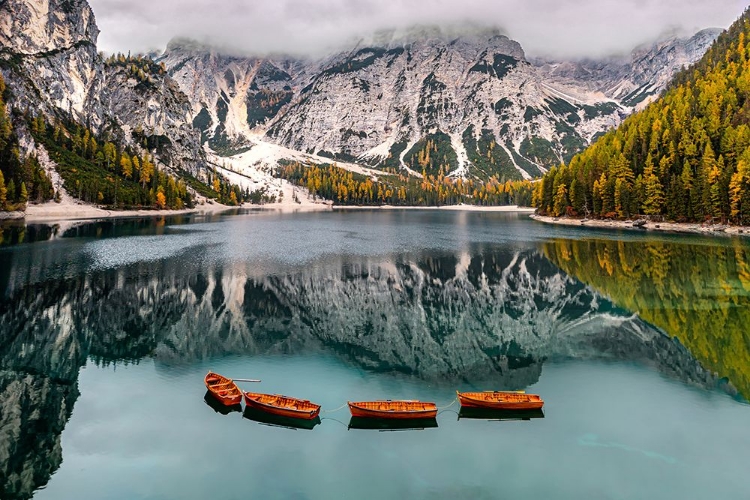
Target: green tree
{"x": 126, "y": 166}
{"x": 11, "y": 191}
{"x": 3, "y": 191}
{"x": 561, "y": 200}
{"x": 24, "y": 196}
{"x": 654, "y": 201}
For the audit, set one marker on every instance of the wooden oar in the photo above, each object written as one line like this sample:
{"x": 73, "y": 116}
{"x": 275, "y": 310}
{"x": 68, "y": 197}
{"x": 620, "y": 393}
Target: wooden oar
{"x": 245, "y": 380}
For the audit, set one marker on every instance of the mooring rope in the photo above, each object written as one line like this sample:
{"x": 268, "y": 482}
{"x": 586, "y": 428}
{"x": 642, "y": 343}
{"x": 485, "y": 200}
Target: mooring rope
{"x": 447, "y": 411}
{"x": 335, "y": 420}
{"x": 446, "y": 407}
{"x": 337, "y": 409}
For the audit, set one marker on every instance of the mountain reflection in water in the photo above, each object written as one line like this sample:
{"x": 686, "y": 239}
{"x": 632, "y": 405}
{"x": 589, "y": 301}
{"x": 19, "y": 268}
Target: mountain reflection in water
{"x": 489, "y": 313}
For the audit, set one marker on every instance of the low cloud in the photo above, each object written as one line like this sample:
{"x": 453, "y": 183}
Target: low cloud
{"x": 560, "y": 28}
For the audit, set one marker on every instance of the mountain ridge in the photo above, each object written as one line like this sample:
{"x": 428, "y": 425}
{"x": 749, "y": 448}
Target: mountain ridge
{"x": 376, "y": 101}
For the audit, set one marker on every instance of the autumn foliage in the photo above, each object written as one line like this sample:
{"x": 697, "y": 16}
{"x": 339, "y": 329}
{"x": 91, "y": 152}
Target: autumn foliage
{"x": 348, "y": 188}
{"x": 686, "y": 157}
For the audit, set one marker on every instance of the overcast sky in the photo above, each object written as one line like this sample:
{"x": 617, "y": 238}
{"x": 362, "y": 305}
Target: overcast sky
{"x": 563, "y": 28}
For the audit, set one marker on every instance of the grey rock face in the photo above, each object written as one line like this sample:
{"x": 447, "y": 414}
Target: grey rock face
{"x": 639, "y": 78}
{"x": 155, "y": 110}
{"x": 39, "y": 26}
{"x": 49, "y": 57}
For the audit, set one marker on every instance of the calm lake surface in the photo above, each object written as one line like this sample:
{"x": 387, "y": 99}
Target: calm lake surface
{"x": 639, "y": 344}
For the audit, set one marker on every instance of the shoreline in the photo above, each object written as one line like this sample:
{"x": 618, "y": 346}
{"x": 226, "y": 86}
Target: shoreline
{"x": 665, "y": 227}
{"x": 72, "y": 211}
{"x": 454, "y": 208}
{"x": 52, "y": 212}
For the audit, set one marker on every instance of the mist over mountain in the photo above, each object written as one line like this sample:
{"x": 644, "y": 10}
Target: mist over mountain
{"x": 560, "y": 29}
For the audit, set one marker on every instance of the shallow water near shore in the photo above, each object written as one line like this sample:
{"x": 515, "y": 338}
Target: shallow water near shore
{"x": 635, "y": 341}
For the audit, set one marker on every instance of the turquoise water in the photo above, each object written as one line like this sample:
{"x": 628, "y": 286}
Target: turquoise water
{"x": 108, "y": 329}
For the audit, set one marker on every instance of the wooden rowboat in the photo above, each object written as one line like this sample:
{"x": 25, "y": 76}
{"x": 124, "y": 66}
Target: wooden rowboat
{"x": 223, "y": 389}
{"x": 283, "y": 406}
{"x": 499, "y": 400}
{"x": 393, "y": 409}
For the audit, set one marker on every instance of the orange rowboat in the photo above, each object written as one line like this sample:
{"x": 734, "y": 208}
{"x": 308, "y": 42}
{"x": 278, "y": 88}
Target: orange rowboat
{"x": 498, "y": 400}
{"x": 282, "y": 406}
{"x": 393, "y": 409}
{"x": 223, "y": 389}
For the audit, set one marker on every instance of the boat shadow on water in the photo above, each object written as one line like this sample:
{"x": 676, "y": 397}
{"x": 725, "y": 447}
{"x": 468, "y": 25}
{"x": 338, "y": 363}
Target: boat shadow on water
{"x": 498, "y": 415}
{"x": 264, "y": 418}
{"x": 218, "y": 406}
{"x": 377, "y": 424}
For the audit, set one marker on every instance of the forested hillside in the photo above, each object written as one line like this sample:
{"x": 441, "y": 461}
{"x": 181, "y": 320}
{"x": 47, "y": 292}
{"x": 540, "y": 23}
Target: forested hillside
{"x": 21, "y": 179}
{"x": 686, "y": 157}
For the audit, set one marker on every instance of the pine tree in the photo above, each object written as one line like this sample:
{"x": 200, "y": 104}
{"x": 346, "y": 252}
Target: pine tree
{"x": 3, "y": 191}
{"x": 654, "y": 200}
{"x": 736, "y": 191}
{"x": 11, "y": 191}
{"x": 126, "y": 166}
{"x": 161, "y": 199}
{"x": 147, "y": 171}
{"x": 561, "y": 200}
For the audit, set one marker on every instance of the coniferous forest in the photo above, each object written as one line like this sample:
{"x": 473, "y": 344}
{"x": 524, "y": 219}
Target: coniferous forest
{"x": 347, "y": 188}
{"x": 686, "y": 157}
{"x": 21, "y": 179}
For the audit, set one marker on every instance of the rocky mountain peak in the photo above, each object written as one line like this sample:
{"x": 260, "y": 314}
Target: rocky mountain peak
{"x": 459, "y": 37}
{"x": 36, "y": 26}
{"x": 638, "y": 78}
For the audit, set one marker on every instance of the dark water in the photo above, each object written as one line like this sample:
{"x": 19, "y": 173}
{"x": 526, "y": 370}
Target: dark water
{"x": 638, "y": 343}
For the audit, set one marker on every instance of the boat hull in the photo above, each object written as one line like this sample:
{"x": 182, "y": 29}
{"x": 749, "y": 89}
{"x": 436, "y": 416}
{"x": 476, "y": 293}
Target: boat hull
{"x": 223, "y": 390}
{"x": 220, "y": 407}
{"x": 390, "y": 410}
{"x": 382, "y": 424}
{"x": 501, "y": 401}
{"x": 257, "y": 402}
{"x": 263, "y": 417}
{"x": 490, "y": 414}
